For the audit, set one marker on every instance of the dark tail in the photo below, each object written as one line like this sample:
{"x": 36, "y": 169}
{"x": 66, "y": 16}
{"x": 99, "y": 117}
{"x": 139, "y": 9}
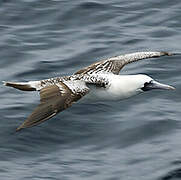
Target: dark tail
{"x": 20, "y": 85}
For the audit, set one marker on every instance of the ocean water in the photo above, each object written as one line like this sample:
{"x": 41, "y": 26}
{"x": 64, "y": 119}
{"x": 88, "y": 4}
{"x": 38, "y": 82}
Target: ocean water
{"x": 138, "y": 138}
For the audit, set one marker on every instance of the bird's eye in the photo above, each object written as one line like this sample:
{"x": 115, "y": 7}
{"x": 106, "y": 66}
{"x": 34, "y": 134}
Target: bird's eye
{"x": 146, "y": 83}
{"x": 146, "y": 86}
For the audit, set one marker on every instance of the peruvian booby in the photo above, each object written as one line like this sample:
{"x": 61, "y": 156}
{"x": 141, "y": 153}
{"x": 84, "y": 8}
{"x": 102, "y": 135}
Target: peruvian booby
{"x": 99, "y": 81}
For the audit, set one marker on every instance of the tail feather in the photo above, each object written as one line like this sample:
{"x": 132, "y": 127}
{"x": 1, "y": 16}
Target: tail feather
{"x": 24, "y": 86}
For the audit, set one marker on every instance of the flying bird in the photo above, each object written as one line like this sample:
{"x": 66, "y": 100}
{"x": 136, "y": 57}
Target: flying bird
{"x": 98, "y": 81}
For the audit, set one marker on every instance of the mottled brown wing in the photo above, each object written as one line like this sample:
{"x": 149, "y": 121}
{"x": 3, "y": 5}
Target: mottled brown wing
{"x": 53, "y": 99}
{"x": 115, "y": 64}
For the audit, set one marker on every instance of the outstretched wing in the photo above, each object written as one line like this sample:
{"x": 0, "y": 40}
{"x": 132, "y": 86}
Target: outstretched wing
{"x": 53, "y": 99}
{"x": 115, "y": 64}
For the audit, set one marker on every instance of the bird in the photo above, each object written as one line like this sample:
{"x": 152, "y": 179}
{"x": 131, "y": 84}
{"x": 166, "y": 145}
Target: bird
{"x": 99, "y": 81}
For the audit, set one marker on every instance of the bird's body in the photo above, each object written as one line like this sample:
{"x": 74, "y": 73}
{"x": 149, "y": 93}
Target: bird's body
{"x": 119, "y": 87}
{"x": 97, "y": 82}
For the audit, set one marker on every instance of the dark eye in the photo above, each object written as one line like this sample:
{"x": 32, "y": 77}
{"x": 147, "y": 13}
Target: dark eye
{"x": 146, "y": 86}
{"x": 146, "y": 83}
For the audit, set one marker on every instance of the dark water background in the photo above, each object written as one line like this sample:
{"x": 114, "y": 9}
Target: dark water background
{"x": 135, "y": 139}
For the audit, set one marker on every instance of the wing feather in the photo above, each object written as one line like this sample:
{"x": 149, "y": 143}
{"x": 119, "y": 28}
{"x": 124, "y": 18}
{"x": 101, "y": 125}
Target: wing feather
{"x": 115, "y": 64}
{"x": 53, "y": 99}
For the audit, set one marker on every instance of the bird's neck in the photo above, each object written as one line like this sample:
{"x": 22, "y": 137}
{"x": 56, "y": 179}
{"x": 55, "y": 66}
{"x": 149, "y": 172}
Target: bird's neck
{"x": 124, "y": 86}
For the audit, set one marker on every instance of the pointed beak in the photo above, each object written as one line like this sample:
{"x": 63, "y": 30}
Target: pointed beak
{"x": 156, "y": 85}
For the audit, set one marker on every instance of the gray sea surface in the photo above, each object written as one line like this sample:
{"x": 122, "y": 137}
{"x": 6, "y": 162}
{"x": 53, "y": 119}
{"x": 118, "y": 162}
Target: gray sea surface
{"x": 135, "y": 139}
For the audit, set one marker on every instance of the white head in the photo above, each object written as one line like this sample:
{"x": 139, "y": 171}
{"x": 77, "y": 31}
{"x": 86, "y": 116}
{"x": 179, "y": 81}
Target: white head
{"x": 146, "y": 83}
{"x": 129, "y": 85}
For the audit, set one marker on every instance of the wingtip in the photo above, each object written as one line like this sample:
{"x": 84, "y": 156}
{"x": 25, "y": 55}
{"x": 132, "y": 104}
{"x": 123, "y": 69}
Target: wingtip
{"x": 167, "y": 53}
{"x": 171, "y": 54}
{"x": 18, "y": 129}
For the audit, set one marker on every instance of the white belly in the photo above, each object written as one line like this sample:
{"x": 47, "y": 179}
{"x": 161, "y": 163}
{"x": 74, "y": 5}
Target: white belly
{"x": 99, "y": 95}
{"x": 106, "y": 95}
{"x": 121, "y": 87}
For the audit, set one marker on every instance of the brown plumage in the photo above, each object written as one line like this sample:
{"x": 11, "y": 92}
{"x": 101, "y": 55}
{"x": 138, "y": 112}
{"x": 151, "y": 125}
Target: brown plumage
{"x": 115, "y": 64}
{"x": 53, "y": 99}
{"x": 57, "y": 94}
{"x": 20, "y": 86}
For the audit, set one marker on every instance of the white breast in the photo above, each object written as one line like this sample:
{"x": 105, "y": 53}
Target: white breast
{"x": 121, "y": 87}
